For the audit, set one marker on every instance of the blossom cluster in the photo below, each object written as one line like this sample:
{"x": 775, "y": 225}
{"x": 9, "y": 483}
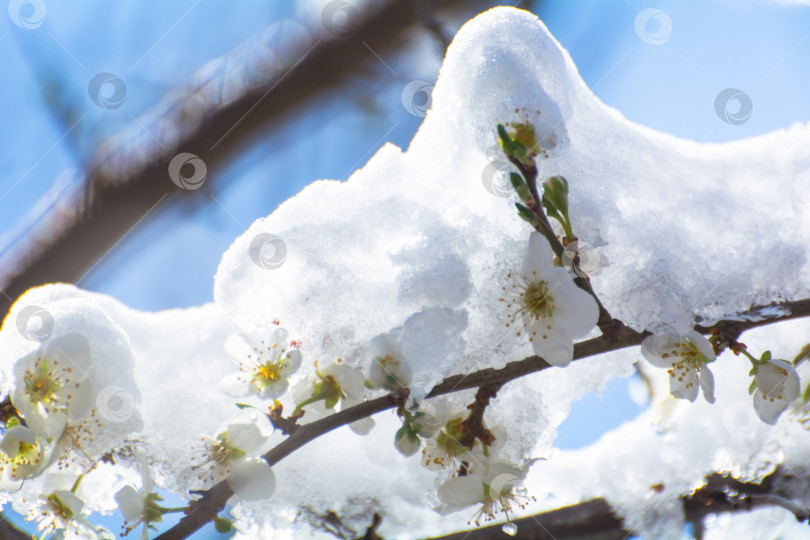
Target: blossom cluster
{"x": 51, "y": 420}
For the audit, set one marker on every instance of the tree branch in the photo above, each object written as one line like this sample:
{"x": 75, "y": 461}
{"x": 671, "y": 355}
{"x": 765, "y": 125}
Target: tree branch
{"x": 10, "y": 532}
{"x": 215, "y": 499}
{"x": 595, "y": 519}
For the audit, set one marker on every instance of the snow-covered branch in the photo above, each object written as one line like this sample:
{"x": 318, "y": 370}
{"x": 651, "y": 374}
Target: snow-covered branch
{"x": 213, "y": 502}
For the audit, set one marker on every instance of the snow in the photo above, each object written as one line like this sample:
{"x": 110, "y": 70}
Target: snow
{"x": 418, "y": 244}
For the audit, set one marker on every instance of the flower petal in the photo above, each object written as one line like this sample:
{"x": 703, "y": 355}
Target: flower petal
{"x": 539, "y": 257}
{"x": 655, "y": 346}
{"x": 772, "y": 376}
{"x": 70, "y": 350}
{"x": 80, "y": 400}
{"x": 292, "y": 361}
{"x": 49, "y": 426}
{"x": 575, "y": 310}
{"x": 379, "y": 346}
{"x": 236, "y": 385}
{"x": 244, "y": 436}
{"x": 703, "y": 345}
{"x": 683, "y": 382}
{"x": 70, "y": 501}
{"x": 433, "y": 457}
{"x": 463, "y": 491}
{"x": 240, "y": 349}
{"x": 130, "y": 502}
{"x": 706, "y": 381}
{"x": 363, "y": 427}
{"x": 279, "y": 338}
{"x": 351, "y": 381}
{"x": 303, "y": 389}
{"x": 252, "y": 480}
{"x": 557, "y": 348}
{"x": 769, "y": 409}
{"x": 360, "y": 427}
{"x": 274, "y": 389}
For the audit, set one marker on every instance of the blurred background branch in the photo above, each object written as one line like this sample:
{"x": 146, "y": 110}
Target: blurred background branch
{"x": 228, "y": 101}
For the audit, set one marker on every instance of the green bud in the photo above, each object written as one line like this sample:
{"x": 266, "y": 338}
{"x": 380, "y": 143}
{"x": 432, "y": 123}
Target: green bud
{"x": 406, "y": 441}
{"x": 555, "y": 189}
{"x": 514, "y": 148}
{"x": 223, "y": 525}
{"x": 555, "y": 201}
{"x": 527, "y": 215}
{"x": 524, "y": 134}
{"x": 522, "y": 189}
{"x": 505, "y": 139}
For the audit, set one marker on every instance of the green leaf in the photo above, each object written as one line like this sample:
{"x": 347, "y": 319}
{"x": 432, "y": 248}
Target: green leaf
{"x": 806, "y": 395}
{"x": 12, "y": 422}
{"x": 753, "y": 387}
{"x": 766, "y": 357}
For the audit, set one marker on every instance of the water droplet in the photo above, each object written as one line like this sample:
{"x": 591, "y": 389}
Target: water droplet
{"x": 509, "y": 528}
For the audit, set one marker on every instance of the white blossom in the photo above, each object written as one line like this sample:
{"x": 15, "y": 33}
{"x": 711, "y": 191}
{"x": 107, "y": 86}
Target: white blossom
{"x": 337, "y": 384}
{"x": 140, "y": 506}
{"x": 686, "y": 357}
{"x": 60, "y": 512}
{"x": 53, "y": 386}
{"x": 22, "y": 452}
{"x": 553, "y": 310}
{"x": 445, "y": 449}
{"x": 777, "y": 386}
{"x": 488, "y": 482}
{"x": 389, "y": 367}
{"x": 217, "y": 457}
{"x": 264, "y": 368}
